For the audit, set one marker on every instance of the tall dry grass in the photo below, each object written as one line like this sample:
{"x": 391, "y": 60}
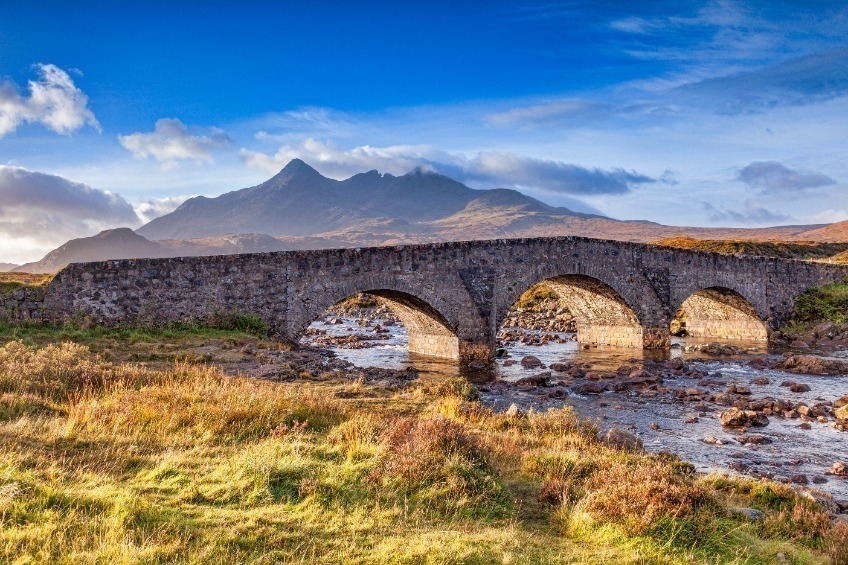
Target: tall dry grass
{"x": 117, "y": 462}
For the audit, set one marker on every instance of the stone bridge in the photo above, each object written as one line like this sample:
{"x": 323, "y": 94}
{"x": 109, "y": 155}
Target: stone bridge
{"x": 452, "y": 297}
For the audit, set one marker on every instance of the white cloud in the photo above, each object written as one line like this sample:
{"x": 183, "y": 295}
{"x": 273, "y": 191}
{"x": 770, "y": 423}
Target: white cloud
{"x": 772, "y": 176}
{"x": 39, "y": 209}
{"x": 171, "y": 142}
{"x": 155, "y": 207}
{"x": 830, "y": 216}
{"x": 53, "y": 101}
{"x": 489, "y": 169}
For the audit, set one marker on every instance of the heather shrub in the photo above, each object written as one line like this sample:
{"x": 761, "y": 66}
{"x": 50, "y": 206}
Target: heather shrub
{"x": 435, "y": 459}
{"x": 642, "y": 495}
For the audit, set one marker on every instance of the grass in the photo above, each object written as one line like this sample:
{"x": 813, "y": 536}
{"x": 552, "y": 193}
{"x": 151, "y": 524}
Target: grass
{"x": 827, "y": 303}
{"x": 536, "y": 297}
{"x": 11, "y": 282}
{"x": 107, "y": 461}
{"x": 781, "y": 249}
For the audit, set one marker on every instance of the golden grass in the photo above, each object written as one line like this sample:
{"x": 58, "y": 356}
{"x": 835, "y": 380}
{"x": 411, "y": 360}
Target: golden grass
{"x": 117, "y": 462}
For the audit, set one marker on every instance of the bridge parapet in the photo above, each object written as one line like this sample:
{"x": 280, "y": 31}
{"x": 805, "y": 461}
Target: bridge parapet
{"x": 452, "y": 296}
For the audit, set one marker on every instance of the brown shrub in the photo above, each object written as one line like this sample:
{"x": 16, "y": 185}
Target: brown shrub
{"x": 436, "y": 458}
{"x": 836, "y": 543}
{"x": 418, "y": 449}
{"x": 803, "y": 522}
{"x": 558, "y": 492}
{"x": 639, "y": 496}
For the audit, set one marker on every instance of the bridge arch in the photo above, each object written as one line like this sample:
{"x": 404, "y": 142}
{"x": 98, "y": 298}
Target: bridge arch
{"x": 439, "y": 322}
{"x": 719, "y": 312}
{"x": 602, "y": 315}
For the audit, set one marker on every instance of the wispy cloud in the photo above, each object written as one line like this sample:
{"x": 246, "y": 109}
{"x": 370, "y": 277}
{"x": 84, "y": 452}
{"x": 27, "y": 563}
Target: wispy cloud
{"x": 751, "y": 214}
{"x": 771, "y": 176}
{"x": 53, "y": 101}
{"x": 502, "y": 169}
{"x": 171, "y": 141}
{"x": 155, "y": 207}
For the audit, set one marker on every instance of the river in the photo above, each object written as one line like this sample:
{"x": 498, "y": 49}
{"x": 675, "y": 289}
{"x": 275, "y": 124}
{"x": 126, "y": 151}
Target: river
{"x": 664, "y": 423}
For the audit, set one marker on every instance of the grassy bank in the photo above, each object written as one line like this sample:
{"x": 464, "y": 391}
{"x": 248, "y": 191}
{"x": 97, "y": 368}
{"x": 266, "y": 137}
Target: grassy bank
{"x": 107, "y": 461}
{"x": 821, "y": 304}
{"x": 781, "y": 249}
{"x": 10, "y": 282}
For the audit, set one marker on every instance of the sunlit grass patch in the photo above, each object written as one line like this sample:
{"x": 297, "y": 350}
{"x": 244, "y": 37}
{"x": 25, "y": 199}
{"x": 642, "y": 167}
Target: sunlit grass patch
{"x": 105, "y": 461}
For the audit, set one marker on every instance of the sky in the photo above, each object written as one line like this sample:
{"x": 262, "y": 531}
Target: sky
{"x": 706, "y": 113}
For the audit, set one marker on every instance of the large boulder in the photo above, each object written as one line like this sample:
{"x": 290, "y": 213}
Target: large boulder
{"x": 530, "y": 362}
{"x": 738, "y": 418}
{"x": 809, "y": 365}
{"x": 839, "y": 469}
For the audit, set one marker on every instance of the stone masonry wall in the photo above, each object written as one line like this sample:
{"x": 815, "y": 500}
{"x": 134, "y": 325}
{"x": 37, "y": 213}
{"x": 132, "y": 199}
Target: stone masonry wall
{"x": 459, "y": 289}
{"x": 22, "y": 305}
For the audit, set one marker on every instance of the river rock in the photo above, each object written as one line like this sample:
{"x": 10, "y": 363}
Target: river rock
{"x": 542, "y": 379}
{"x": 823, "y": 499}
{"x": 750, "y": 513}
{"x": 756, "y": 439}
{"x": 622, "y": 440}
{"x": 839, "y": 469}
{"x": 809, "y": 365}
{"x": 513, "y": 411}
{"x": 840, "y": 402}
{"x": 804, "y": 410}
{"x": 530, "y": 362}
{"x": 676, "y": 364}
{"x": 589, "y": 388}
{"x": 800, "y": 387}
{"x": 841, "y": 412}
{"x": 738, "y": 418}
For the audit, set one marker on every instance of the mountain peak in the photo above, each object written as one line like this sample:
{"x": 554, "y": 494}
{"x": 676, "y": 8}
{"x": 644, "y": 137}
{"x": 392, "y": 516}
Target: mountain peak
{"x": 297, "y": 166}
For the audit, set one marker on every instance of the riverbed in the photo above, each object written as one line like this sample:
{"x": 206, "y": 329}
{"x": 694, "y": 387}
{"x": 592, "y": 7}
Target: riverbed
{"x": 786, "y": 451}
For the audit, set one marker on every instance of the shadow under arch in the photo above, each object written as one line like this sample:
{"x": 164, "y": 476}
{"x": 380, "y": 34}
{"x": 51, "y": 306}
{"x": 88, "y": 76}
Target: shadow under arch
{"x": 428, "y": 331}
{"x": 602, "y": 316}
{"x": 719, "y": 312}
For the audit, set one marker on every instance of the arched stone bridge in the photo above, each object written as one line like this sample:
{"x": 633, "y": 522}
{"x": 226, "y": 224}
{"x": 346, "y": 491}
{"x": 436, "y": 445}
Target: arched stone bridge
{"x": 452, "y": 297}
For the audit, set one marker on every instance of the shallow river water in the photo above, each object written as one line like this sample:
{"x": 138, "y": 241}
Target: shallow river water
{"x": 658, "y": 421}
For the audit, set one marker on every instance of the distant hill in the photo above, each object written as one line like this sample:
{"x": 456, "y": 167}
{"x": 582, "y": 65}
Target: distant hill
{"x": 5, "y": 267}
{"x": 829, "y": 232}
{"x": 123, "y": 243}
{"x": 299, "y": 208}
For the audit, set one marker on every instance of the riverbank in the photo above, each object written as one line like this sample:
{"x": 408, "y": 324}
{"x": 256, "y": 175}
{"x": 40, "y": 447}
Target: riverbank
{"x": 138, "y": 446}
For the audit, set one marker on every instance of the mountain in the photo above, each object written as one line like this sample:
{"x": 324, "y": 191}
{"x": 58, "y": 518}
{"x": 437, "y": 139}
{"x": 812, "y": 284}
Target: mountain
{"x": 121, "y": 243}
{"x": 299, "y": 201}
{"x": 299, "y": 208}
{"x": 6, "y": 267}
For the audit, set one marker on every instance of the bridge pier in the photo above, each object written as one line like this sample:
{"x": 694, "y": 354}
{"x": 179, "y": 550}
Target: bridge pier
{"x": 656, "y": 338}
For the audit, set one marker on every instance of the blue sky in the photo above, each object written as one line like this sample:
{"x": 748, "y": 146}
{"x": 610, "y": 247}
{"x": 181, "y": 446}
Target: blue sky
{"x": 699, "y": 113}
